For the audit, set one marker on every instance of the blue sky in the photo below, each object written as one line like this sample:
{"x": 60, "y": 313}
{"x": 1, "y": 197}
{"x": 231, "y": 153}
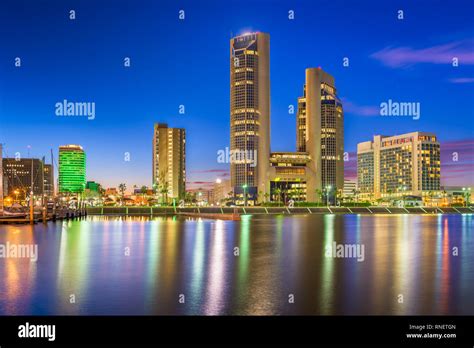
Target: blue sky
{"x": 185, "y": 62}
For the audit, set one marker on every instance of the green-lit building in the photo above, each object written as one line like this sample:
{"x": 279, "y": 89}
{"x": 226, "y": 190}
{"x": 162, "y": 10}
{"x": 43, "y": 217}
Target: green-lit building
{"x": 92, "y": 186}
{"x": 72, "y": 169}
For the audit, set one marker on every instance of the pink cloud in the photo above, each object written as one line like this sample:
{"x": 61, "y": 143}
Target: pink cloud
{"x": 195, "y": 185}
{"x": 396, "y": 57}
{"x": 457, "y": 162}
{"x": 361, "y": 110}
{"x": 462, "y": 80}
{"x": 211, "y": 171}
{"x": 350, "y": 167}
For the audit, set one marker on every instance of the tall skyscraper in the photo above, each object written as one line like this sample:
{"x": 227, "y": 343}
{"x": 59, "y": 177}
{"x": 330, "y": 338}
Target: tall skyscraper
{"x": 169, "y": 160}
{"x": 406, "y": 164}
{"x": 320, "y": 133}
{"x": 72, "y": 169}
{"x": 301, "y": 123}
{"x": 250, "y": 114}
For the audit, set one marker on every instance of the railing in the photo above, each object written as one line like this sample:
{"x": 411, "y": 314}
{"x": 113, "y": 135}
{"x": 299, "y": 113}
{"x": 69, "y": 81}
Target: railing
{"x": 150, "y": 211}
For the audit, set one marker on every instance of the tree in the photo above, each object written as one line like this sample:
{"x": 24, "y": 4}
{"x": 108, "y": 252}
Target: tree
{"x": 101, "y": 190}
{"x": 371, "y": 197}
{"x": 189, "y": 197}
{"x": 122, "y": 187}
{"x": 355, "y": 193}
{"x": 319, "y": 194}
{"x": 266, "y": 195}
{"x": 339, "y": 194}
{"x": 277, "y": 192}
{"x": 91, "y": 196}
{"x": 163, "y": 187}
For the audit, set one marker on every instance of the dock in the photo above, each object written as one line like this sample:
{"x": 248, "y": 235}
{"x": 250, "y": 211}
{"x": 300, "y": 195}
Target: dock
{"x": 63, "y": 214}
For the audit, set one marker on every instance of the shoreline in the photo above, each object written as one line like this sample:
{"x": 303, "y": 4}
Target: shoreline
{"x": 234, "y": 213}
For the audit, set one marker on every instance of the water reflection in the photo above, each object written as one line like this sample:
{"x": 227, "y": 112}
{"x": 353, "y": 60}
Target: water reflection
{"x": 252, "y": 267}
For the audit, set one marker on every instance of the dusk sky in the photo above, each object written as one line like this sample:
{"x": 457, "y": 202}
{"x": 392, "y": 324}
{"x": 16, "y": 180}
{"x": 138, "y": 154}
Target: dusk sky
{"x": 186, "y": 62}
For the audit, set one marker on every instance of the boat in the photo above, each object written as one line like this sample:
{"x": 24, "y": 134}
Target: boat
{"x": 12, "y": 215}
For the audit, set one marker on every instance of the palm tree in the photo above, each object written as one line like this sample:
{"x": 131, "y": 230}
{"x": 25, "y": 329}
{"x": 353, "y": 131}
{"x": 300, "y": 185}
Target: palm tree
{"x": 190, "y": 197}
{"x": 163, "y": 186}
{"x": 101, "y": 191}
{"x": 187, "y": 197}
{"x": 277, "y": 192}
{"x": 164, "y": 191}
{"x": 122, "y": 187}
{"x": 355, "y": 193}
{"x": 319, "y": 194}
{"x": 266, "y": 195}
{"x": 339, "y": 194}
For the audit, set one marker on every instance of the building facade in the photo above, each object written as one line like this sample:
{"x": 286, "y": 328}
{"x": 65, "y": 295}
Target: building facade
{"x": 222, "y": 190}
{"x": 169, "y": 161}
{"x": 315, "y": 172}
{"x": 17, "y": 177}
{"x": 350, "y": 188}
{"x": 396, "y": 166}
{"x": 301, "y": 123}
{"x": 323, "y": 135}
{"x": 289, "y": 176}
{"x": 72, "y": 169}
{"x": 250, "y": 113}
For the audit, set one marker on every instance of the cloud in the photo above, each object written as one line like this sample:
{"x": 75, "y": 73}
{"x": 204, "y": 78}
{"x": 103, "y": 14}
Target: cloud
{"x": 462, "y": 80}
{"x": 457, "y": 162}
{"x": 350, "y": 166}
{"x": 195, "y": 185}
{"x": 210, "y": 171}
{"x": 200, "y": 182}
{"x": 361, "y": 110}
{"x": 396, "y": 57}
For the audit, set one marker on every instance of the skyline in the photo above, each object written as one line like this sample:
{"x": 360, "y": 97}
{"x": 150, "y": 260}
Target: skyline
{"x": 130, "y": 100}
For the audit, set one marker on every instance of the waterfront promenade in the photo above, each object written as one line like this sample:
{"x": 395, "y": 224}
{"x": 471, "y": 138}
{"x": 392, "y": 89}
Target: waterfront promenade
{"x": 208, "y": 211}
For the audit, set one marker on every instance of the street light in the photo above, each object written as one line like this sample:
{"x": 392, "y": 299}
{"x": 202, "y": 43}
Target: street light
{"x": 244, "y": 186}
